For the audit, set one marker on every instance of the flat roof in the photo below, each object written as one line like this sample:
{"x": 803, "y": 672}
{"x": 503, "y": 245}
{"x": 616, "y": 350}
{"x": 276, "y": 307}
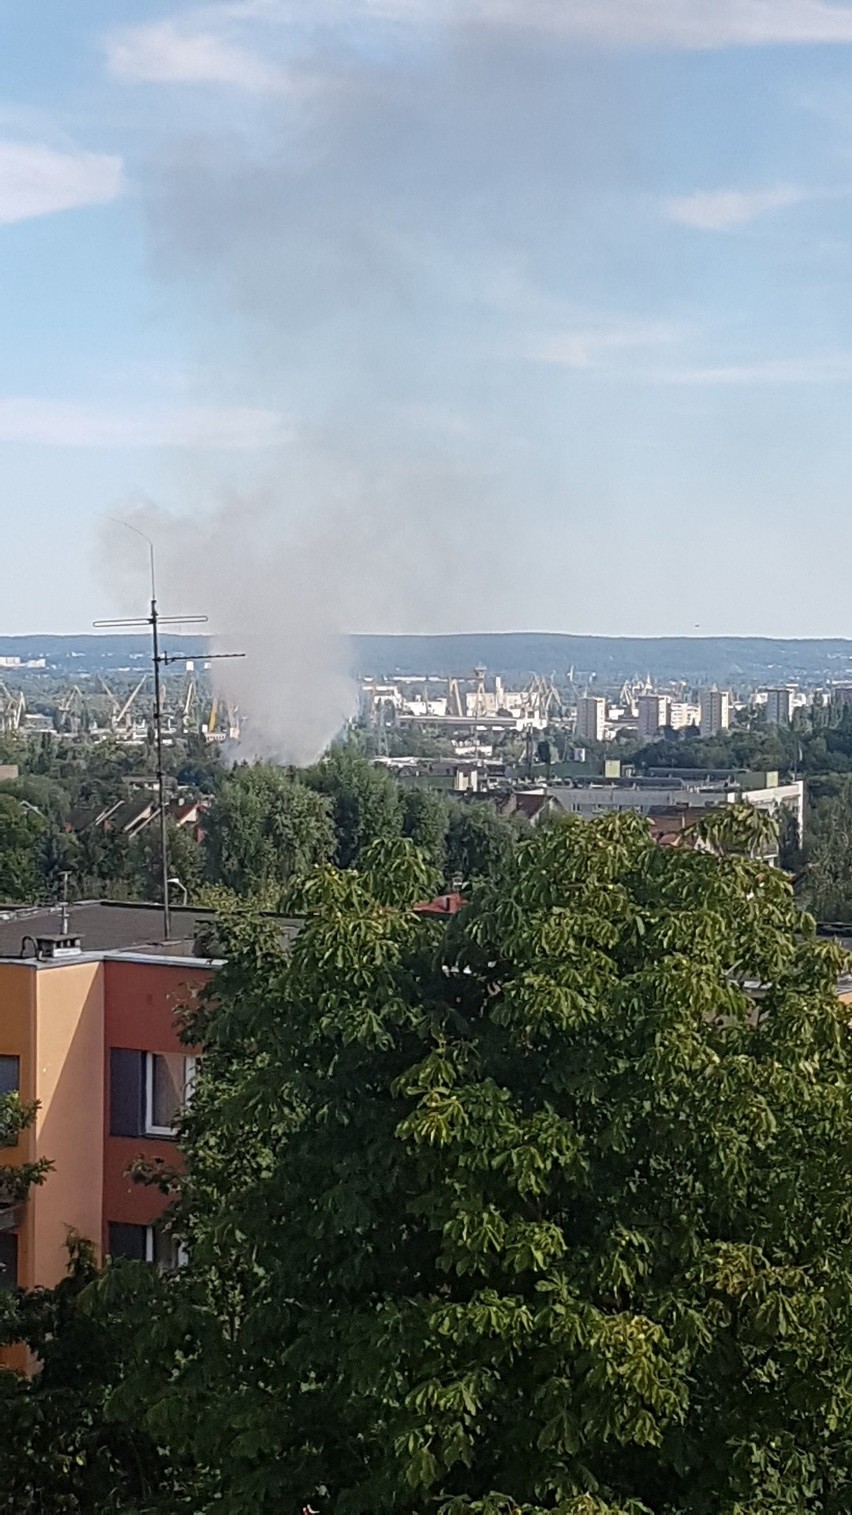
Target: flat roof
{"x": 109, "y": 926}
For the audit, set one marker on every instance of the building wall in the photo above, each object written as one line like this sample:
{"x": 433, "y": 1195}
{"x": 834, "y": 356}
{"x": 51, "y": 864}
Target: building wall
{"x": 69, "y": 1124}
{"x": 141, "y": 1005}
{"x": 17, "y": 1039}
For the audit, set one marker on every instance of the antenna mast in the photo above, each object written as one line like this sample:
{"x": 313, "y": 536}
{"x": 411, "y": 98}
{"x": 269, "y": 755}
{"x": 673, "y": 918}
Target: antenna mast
{"x": 155, "y": 621}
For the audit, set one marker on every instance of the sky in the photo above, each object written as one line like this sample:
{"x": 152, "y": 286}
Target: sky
{"x": 428, "y": 315}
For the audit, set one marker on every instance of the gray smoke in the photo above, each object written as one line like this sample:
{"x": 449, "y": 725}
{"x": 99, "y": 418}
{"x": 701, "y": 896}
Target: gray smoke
{"x": 374, "y": 258}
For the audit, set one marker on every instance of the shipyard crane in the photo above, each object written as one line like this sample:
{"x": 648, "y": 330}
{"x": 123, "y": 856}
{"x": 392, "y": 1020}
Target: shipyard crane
{"x": 120, "y": 719}
{"x": 12, "y": 709}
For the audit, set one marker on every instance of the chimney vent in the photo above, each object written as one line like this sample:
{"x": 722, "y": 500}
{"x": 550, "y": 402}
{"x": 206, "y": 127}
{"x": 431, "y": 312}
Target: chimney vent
{"x": 58, "y": 947}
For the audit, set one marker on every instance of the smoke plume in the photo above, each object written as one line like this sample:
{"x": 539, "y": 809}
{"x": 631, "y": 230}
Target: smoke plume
{"x": 378, "y": 256}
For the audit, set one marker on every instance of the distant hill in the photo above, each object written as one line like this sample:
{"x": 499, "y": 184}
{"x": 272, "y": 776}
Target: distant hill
{"x": 611, "y": 659}
{"x": 513, "y": 654}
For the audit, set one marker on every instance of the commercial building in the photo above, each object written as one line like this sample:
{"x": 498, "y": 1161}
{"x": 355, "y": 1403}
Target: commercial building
{"x": 591, "y": 718}
{"x": 652, "y": 714}
{"x": 677, "y": 793}
{"x": 89, "y": 1023}
{"x": 715, "y": 711}
{"x": 779, "y": 705}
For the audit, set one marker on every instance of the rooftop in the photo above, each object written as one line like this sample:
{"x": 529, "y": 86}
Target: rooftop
{"x": 108, "y": 926}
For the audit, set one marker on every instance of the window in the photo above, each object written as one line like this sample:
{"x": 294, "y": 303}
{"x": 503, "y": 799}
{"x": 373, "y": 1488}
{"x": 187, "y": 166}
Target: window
{"x": 127, "y": 1241}
{"x": 10, "y": 1083}
{"x": 151, "y": 1244}
{"x": 169, "y": 1077}
{"x": 10, "y": 1074}
{"x": 8, "y": 1260}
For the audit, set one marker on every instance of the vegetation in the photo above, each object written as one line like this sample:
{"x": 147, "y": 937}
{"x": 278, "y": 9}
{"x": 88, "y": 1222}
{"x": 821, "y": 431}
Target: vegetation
{"x": 542, "y": 1208}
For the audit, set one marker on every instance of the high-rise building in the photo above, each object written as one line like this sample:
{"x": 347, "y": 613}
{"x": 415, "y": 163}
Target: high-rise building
{"x": 779, "y": 704}
{"x": 715, "y": 711}
{"x": 591, "y": 717}
{"x": 653, "y": 712}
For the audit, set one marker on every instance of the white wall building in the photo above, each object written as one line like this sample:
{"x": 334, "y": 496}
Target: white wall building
{"x": 715, "y": 711}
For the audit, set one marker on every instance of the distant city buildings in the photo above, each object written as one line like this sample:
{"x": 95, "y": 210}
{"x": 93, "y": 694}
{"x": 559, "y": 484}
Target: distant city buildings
{"x": 714, "y": 711}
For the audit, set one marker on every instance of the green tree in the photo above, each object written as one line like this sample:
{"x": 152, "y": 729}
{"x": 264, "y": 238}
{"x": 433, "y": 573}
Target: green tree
{"x": 186, "y": 861}
{"x": 546, "y": 1208}
{"x": 828, "y": 856}
{"x": 365, "y": 801}
{"x": 265, "y": 828}
{"x": 22, "y": 832}
{"x": 479, "y": 841}
{"x": 425, "y": 818}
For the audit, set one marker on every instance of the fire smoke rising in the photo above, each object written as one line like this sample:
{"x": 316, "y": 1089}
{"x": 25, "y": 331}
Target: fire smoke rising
{"x": 375, "y": 256}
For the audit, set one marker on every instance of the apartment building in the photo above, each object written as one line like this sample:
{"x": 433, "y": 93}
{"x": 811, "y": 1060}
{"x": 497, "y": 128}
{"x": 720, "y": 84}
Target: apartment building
{"x": 591, "y": 718}
{"x": 715, "y": 711}
{"x": 89, "y": 1019}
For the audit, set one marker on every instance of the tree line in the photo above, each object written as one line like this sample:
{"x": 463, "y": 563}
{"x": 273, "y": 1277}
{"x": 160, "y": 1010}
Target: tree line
{"x": 262, "y": 827}
{"x": 542, "y": 1208}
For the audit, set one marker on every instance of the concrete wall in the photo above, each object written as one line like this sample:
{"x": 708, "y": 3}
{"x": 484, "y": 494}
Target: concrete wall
{"x": 70, "y": 1122}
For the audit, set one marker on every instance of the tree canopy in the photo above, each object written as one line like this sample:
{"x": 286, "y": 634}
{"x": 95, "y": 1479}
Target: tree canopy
{"x": 544, "y": 1208}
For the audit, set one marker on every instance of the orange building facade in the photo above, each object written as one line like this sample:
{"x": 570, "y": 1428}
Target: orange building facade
{"x": 93, "y": 1038}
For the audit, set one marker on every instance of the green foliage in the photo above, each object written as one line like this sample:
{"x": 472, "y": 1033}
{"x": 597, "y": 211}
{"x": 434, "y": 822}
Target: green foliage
{"x": 365, "y": 802}
{"x": 264, "y": 828}
{"x": 828, "y": 856}
{"x": 59, "y": 1455}
{"x": 186, "y": 861}
{"x": 479, "y": 841}
{"x": 21, "y": 835}
{"x": 425, "y": 819}
{"x": 545, "y": 1208}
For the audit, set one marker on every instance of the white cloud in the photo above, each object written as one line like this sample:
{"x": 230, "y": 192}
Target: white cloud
{"x": 591, "y": 345}
{"x": 168, "y": 52}
{"x": 63, "y": 423}
{"x": 827, "y": 369}
{"x": 725, "y": 209}
{"x": 36, "y": 180}
{"x": 206, "y": 45}
{"x": 674, "y": 23}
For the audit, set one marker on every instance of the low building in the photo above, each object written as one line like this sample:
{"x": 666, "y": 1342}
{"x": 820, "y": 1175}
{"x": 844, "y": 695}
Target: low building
{"x": 89, "y": 1009}
{"x": 670, "y": 794}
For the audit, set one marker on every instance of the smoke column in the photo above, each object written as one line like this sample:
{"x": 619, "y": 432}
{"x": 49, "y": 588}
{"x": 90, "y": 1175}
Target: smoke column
{"x": 374, "y": 254}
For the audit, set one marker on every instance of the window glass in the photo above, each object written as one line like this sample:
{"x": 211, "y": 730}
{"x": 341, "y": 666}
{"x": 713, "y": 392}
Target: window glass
{"x": 164, "y": 1251}
{"x": 10, "y": 1074}
{"x": 127, "y": 1241}
{"x": 8, "y": 1260}
{"x": 170, "y": 1077}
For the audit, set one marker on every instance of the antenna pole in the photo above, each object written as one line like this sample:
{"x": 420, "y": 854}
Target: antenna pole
{"x": 161, "y": 776}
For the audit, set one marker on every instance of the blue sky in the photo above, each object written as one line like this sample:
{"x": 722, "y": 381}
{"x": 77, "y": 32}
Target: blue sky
{"x": 463, "y": 314}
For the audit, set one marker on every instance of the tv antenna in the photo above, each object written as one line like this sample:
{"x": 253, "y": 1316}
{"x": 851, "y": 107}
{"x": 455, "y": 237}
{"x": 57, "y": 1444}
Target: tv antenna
{"x": 159, "y": 660}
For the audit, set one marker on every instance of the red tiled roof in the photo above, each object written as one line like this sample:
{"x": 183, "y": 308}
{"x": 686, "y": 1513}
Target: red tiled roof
{"x": 444, "y": 904}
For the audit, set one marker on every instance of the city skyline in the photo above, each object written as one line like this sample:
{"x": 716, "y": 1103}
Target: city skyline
{"x": 468, "y": 315}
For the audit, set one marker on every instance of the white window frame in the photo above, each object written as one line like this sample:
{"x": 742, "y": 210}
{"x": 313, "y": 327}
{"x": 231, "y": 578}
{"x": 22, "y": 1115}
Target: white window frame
{"x": 181, "y": 1254}
{"x": 189, "y": 1067}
